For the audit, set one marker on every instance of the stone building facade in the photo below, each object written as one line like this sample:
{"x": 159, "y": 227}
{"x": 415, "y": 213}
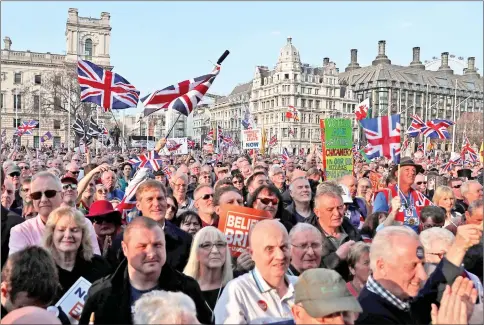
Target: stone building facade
{"x": 26, "y": 79}
{"x": 314, "y": 90}
{"x": 415, "y": 90}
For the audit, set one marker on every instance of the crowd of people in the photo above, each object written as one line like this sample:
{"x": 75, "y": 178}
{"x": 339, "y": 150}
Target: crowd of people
{"x": 388, "y": 244}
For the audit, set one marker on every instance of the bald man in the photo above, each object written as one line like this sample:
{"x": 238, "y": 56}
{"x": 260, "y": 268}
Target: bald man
{"x": 31, "y": 315}
{"x": 265, "y": 294}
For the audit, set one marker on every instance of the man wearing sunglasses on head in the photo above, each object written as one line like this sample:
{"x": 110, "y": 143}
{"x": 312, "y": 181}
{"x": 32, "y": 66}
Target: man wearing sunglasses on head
{"x": 46, "y": 193}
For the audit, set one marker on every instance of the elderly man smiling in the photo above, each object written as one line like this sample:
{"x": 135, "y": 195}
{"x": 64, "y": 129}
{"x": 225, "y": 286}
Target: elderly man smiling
{"x": 265, "y": 294}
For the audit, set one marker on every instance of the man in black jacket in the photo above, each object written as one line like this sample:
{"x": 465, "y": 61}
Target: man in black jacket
{"x": 9, "y": 220}
{"x": 392, "y": 293}
{"x": 338, "y": 233}
{"x": 112, "y": 298}
{"x": 151, "y": 202}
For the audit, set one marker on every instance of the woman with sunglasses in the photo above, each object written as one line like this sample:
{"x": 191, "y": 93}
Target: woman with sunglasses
{"x": 188, "y": 221}
{"x": 171, "y": 208}
{"x": 101, "y": 193}
{"x": 107, "y": 223}
{"x": 238, "y": 181}
{"x": 67, "y": 238}
{"x": 210, "y": 264}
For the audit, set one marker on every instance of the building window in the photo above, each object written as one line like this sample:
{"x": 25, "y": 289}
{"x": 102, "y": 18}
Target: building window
{"x": 57, "y": 142}
{"x": 16, "y": 122}
{"x": 17, "y": 101}
{"x": 57, "y": 80}
{"x": 17, "y": 78}
{"x": 57, "y": 124}
{"x": 88, "y": 49}
{"x": 310, "y": 103}
{"x": 286, "y": 76}
{"x": 303, "y": 103}
{"x": 303, "y": 133}
{"x": 38, "y": 79}
{"x": 317, "y": 104}
{"x": 2, "y": 100}
{"x": 36, "y": 141}
{"x": 36, "y": 102}
{"x": 316, "y": 91}
{"x": 57, "y": 103}
{"x": 295, "y": 77}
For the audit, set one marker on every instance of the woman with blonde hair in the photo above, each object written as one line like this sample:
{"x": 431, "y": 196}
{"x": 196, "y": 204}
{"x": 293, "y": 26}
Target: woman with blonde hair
{"x": 444, "y": 197}
{"x": 67, "y": 237}
{"x": 210, "y": 264}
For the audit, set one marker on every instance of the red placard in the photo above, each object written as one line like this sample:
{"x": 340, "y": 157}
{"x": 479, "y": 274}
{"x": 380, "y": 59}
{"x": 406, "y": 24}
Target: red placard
{"x": 235, "y": 222}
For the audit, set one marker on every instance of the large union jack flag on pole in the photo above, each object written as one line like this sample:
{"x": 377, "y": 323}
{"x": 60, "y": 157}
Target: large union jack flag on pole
{"x": 182, "y": 97}
{"x": 105, "y": 88}
{"x": 26, "y": 128}
{"x": 434, "y": 129}
{"x": 383, "y": 135}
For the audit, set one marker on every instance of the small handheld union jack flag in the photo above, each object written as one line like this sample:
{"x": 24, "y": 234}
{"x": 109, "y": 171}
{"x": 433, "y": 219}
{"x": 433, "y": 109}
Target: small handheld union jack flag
{"x": 105, "y": 88}
{"x": 467, "y": 153}
{"x": 191, "y": 144}
{"x": 285, "y": 156}
{"x": 150, "y": 160}
{"x": 26, "y": 128}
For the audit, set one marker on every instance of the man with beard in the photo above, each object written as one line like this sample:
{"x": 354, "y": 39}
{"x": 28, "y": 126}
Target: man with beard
{"x": 265, "y": 294}
{"x": 112, "y": 299}
{"x": 301, "y": 195}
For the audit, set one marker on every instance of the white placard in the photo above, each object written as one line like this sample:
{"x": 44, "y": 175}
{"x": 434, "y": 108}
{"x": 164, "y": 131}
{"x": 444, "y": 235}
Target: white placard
{"x": 251, "y": 139}
{"x": 72, "y": 302}
{"x": 176, "y": 146}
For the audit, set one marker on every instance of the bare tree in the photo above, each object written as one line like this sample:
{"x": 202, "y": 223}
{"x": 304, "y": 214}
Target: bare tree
{"x": 470, "y": 123}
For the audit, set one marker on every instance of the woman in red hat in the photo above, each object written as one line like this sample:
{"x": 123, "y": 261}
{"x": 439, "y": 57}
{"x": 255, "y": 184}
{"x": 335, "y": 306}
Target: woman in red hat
{"x": 106, "y": 221}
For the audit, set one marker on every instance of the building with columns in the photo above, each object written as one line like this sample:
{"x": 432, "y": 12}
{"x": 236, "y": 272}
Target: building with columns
{"x": 314, "y": 90}
{"x": 38, "y": 85}
{"x": 414, "y": 89}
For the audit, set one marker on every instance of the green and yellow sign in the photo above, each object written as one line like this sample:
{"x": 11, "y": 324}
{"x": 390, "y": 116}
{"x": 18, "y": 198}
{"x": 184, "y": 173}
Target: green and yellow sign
{"x": 337, "y": 144}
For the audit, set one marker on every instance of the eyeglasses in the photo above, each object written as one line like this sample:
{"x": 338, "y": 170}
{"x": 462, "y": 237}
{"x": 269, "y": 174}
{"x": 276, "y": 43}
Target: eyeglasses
{"x": 457, "y": 186}
{"x": 420, "y": 183}
{"x": 14, "y": 174}
{"x": 38, "y": 195}
{"x": 206, "y": 197}
{"x": 180, "y": 185}
{"x": 66, "y": 187}
{"x": 100, "y": 191}
{"x": 305, "y": 247}
{"x": 74, "y": 173}
{"x": 24, "y": 167}
{"x": 24, "y": 189}
{"x": 267, "y": 200}
{"x": 209, "y": 246}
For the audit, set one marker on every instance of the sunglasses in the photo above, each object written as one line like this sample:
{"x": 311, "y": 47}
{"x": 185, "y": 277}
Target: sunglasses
{"x": 457, "y": 186}
{"x": 420, "y": 183}
{"x": 38, "y": 195}
{"x": 14, "y": 174}
{"x": 100, "y": 220}
{"x": 74, "y": 173}
{"x": 223, "y": 171}
{"x": 66, "y": 187}
{"x": 102, "y": 191}
{"x": 206, "y": 197}
{"x": 24, "y": 167}
{"x": 266, "y": 201}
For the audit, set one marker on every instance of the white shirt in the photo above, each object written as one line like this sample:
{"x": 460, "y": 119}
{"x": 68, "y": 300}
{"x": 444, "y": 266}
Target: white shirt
{"x": 248, "y": 299}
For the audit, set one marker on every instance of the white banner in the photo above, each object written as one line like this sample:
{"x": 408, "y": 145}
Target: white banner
{"x": 72, "y": 302}
{"x": 251, "y": 139}
{"x": 142, "y": 144}
{"x": 176, "y": 146}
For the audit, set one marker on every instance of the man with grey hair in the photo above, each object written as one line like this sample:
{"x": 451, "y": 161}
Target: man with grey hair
{"x": 278, "y": 178}
{"x": 392, "y": 293}
{"x": 46, "y": 193}
{"x": 306, "y": 243}
{"x": 471, "y": 191}
{"x": 109, "y": 180}
{"x": 301, "y": 195}
{"x": 164, "y": 307}
{"x": 338, "y": 233}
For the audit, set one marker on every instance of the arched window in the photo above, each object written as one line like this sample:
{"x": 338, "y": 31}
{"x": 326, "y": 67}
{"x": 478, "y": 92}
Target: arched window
{"x": 88, "y": 49}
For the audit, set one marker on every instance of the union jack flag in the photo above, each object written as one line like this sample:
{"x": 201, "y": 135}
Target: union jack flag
{"x": 467, "y": 153}
{"x": 150, "y": 160}
{"x": 420, "y": 147}
{"x": 166, "y": 169}
{"x": 26, "y": 128}
{"x": 209, "y": 137}
{"x": 228, "y": 140}
{"x": 182, "y": 97}
{"x": 434, "y": 129}
{"x": 172, "y": 145}
{"x": 285, "y": 155}
{"x": 129, "y": 200}
{"x": 105, "y": 88}
{"x": 220, "y": 134}
{"x": 405, "y": 143}
{"x": 383, "y": 135}
{"x": 191, "y": 144}
{"x": 450, "y": 164}
{"x": 416, "y": 126}
{"x": 273, "y": 141}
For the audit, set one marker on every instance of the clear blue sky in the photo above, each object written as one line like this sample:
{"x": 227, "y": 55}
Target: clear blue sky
{"x": 155, "y": 44}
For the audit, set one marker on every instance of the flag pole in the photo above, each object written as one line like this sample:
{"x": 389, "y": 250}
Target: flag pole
{"x": 69, "y": 118}
{"x": 97, "y": 122}
{"x": 454, "y": 127}
{"x": 40, "y": 133}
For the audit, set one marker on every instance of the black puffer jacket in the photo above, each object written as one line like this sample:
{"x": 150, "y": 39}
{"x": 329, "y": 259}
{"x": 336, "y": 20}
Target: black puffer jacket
{"x": 110, "y": 299}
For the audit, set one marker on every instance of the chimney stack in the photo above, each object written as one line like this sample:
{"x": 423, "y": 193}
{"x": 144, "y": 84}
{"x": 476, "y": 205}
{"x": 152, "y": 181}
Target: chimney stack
{"x": 354, "y": 61}
{"x": 325, "y": 62}
{"x": 444, "y": 66}
{"x": 416, "y": 63}
{"x": 471, "y": 66}
{"x": 381, "y": 57}
{"x": 8, "y": 43}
